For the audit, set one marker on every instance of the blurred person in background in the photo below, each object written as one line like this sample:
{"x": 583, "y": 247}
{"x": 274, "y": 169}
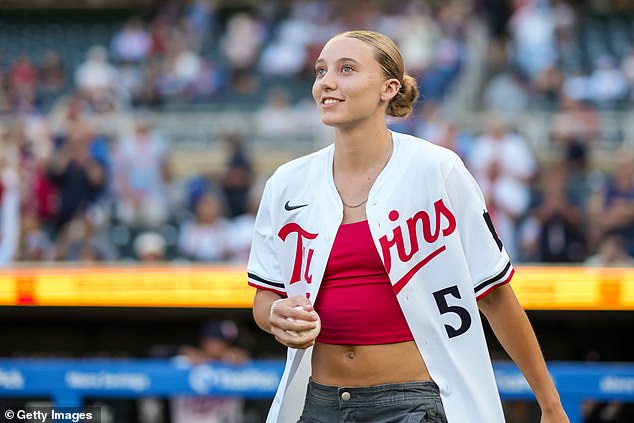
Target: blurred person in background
{"x": 237, "y": 176}
{"x": 140, "y": 168}
{"x": 608, "y": 86}
{"x": 503, "y": 164}
{"x": 78, "y": 174}
{"x": 97, "y": 80}
{"x": 206, "y": 237}
{"x": 217, "y": 343}
{"x": 554, "y": 231}
{"x": 9, "y": 206}
{"x": 132, "y": 42}
{"x": 150, "y": 247}
{"x": 275, "y": 117}
{"x": 610, "y": 252}
{"x": 51, "y": 73}
{"x": 83, "y": 239}
{"x": 242, "y": 225}
{"x": 612, "y": 208}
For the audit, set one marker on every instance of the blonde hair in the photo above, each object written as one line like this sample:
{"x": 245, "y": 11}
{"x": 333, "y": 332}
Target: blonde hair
{"x": 388, "y": 55}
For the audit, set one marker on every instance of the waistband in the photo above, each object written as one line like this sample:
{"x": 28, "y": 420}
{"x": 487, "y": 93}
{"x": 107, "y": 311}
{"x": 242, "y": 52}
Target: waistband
{"x": 369, "y": 396}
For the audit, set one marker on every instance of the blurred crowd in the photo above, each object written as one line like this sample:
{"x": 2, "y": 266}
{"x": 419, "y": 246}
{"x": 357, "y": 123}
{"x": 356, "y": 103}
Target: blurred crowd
{"x": 72, "y": 189}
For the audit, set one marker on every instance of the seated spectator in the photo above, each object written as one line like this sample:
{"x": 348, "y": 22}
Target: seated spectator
{"x": 607, "y": 83}
{"x": 614, "y": 210}
{"x": 51, "y": 73}
{"x": 35, "y": 244}
{"x": 81, "y": 240}
{"x": 610, "y": 252}
{"x": 217, "y": 343}
{"x": 132, "y": 42}
{"x": 97, "y": 80}
{"x": 274, "y": 119}
{"x": 554, "y": 229}
{"x": 206, "y": 237}
{"x": 237, "y": 176}
{"x": 241, "y": 226}
{"x": 149, "y": 247}
{"x": 507, "y": 94}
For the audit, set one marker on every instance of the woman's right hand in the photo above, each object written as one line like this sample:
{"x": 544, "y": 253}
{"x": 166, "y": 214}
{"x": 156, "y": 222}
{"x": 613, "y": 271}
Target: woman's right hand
{"x": 294, "y": 322}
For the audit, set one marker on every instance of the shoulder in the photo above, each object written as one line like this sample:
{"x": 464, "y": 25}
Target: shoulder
{"x": 425, "y": 152}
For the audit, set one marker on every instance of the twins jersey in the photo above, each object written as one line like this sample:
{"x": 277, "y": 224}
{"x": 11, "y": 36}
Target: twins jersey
{"x": 429, "y": 224}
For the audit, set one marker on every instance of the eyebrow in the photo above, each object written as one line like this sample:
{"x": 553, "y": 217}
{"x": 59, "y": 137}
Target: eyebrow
{"x": 342, "y": 59}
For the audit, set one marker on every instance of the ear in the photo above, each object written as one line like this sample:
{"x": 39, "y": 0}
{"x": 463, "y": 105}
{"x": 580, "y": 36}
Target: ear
{"x": 390, "y": 89}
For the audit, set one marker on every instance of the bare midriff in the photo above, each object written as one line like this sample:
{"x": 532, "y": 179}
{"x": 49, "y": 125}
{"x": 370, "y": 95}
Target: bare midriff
{"x": 367, "y": 365}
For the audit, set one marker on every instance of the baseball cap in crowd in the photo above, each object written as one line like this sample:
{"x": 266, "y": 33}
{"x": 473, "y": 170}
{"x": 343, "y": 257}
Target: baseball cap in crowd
{"x": 225, "y": 330}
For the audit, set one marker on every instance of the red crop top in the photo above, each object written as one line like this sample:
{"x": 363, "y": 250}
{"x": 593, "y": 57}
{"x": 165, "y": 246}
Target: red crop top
{"x": 356, "y": 303}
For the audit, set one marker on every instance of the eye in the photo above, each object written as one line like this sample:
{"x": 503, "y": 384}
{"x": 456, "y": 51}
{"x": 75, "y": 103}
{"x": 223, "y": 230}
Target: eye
{"x": 320, "y": 71}
{"x": 347, "y": 69}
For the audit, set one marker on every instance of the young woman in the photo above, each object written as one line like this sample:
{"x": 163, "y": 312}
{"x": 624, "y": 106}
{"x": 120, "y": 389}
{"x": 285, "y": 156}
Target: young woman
{"x": 383, "y": 241}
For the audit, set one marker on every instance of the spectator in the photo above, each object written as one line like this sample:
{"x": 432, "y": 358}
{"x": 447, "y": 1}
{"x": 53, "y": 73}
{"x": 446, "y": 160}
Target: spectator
{"x": 35, "y": 244}
{"x": 238, "y": 175}
{"x": 9, "y": 211}
{"x": 503, "y": 164}
{"x": 82, "y": 241}
{"x": 51, "y": 73}
{"x": 576, "y": 85}
{"x": 23, "y": 73}
{"x": 149, "y": 247}
{"x": 140, "y": 191}
{"x": 242, "y": 225}
{"x": 532, "y": 28}
{"x": 507, "y": 94}
{"x": 607, "y": 83}
{"x": 217, "y": 343}
{"x": 132, "y": 43}
{"x": 610, "y": 252}
{"x": 554, "y": 229}
{"x": 274, "y": 119}
{"x": 614, "y": 210}
{"x": 79, "y": 177}
{"x": 206, "y": 237}
{"x": 97, "y": 80}
{"x": 240, "y": 45}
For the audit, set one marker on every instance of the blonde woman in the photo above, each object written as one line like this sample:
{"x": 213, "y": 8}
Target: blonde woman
{"x": 372, "y": 259}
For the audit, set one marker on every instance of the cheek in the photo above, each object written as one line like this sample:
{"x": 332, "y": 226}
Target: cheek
{"x": 315, "y": 91}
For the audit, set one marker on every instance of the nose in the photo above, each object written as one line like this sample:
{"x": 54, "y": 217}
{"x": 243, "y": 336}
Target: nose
{"x": 327, "y": 82}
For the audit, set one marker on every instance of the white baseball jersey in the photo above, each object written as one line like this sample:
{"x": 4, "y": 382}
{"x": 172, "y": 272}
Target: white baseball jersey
{"x": 429, "y": 223}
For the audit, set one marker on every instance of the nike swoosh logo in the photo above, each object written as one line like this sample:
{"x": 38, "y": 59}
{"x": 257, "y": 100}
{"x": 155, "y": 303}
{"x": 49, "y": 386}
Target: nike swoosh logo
{"x": 288, "y": 206}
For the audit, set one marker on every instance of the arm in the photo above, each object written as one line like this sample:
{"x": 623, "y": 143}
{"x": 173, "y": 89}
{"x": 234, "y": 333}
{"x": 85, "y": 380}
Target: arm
{"x": 514, "y": 331}
{"x": 272, "y": 312}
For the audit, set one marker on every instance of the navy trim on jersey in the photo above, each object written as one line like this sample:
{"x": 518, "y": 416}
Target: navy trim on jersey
{"x": 279, "y": 285}
{"x": 502, "y": 276}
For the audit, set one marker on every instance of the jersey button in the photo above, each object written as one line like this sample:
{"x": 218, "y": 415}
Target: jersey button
{"x": 345, "y": 396}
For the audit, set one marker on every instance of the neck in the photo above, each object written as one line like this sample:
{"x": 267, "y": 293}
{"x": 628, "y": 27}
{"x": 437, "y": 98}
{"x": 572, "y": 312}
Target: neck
{"x": 359, "y": 152}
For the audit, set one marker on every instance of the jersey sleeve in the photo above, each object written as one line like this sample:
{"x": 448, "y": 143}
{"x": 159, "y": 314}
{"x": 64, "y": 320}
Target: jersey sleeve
{"x": 263, "y": 268}
{"x": 488, "y": 262}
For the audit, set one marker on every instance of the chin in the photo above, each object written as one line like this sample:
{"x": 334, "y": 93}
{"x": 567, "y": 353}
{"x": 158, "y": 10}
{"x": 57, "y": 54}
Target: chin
{"x": 332, "y": 121}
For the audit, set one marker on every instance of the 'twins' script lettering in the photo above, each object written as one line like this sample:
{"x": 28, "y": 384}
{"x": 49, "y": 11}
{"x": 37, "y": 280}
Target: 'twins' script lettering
{"x": 429, "y": 233}
{"x": 302, "y": 234}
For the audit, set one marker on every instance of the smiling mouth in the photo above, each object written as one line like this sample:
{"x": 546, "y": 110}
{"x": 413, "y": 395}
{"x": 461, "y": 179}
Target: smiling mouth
{"x": 331, "y": 101}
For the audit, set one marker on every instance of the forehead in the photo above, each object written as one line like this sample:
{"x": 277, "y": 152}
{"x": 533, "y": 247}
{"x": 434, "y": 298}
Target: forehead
{"x": 345, "y": 47}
